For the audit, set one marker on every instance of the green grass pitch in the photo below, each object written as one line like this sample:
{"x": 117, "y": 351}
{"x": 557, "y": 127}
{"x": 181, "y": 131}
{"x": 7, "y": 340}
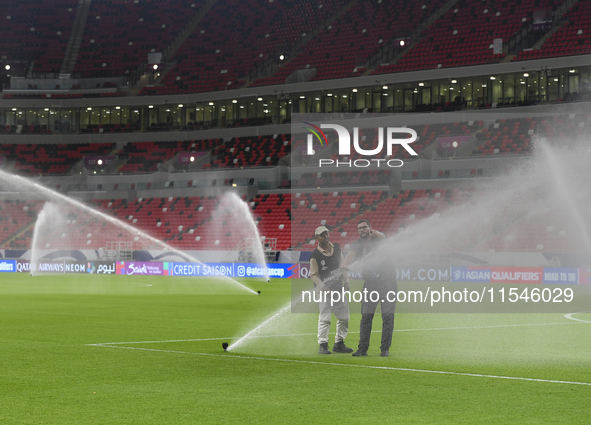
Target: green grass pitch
{"x": 80, "y": 349}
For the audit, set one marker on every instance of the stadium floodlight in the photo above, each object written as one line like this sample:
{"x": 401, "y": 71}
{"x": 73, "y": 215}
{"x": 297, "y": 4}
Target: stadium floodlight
{"x": 100, "y": 162}
{"x": 402, "y": 43}
{"x": 192, "y": 159}
{"x": 155, "y": 66}
{"x": 281, "y": 57}
{"x": 7, "y": 67}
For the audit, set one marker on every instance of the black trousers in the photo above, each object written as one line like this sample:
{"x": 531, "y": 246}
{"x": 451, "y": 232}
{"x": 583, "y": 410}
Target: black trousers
{"x": 368, "y": 309}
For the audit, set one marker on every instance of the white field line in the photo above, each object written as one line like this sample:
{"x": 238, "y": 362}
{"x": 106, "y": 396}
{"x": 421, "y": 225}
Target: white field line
{"x": 400, "y": 369}
{"x": 570, "y": 316}
{"x": 310, "y": 334}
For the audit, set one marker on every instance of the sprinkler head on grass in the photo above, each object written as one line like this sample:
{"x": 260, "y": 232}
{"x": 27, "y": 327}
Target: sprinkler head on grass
{"x": 225, "y": 346}
{"x": 259, "y": 292}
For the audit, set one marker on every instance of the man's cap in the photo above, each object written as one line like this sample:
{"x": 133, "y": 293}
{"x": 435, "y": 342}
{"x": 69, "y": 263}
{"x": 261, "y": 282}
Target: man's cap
{"x": 320, "y": 230}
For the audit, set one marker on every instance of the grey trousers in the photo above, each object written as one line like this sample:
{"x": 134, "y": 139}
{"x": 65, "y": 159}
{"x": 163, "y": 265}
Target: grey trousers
{"x": 368, "y": 309}
{"x": 341, "y": 311}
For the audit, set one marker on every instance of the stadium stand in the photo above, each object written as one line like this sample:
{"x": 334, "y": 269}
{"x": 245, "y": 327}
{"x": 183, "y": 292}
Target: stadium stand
{"x": 15, "y": 217}
{"x": 517, "y": 136}
{"x": 237, "y": 45}
{"x": 427, "y": 134}
{"x": 203, "y": 223}
{"x": 342, "y": 48}
{"x": 391, "y": 214}
{"x": 465, "y": 34}
{"x": 273, "y": 215}
{"x": 214, "y": 60}
{"x": 119, "y": 35}
{"x": 251, "y": 151}
{"x": 50, "y": 158}
{"x": 573, "y": 38}
{"x": 145, "y": 156}
{"x": 184, "y": 223}
{"x": 37, "y": 31}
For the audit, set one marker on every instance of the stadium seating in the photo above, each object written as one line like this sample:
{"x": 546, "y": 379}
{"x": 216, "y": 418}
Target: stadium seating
{"x": 573, "y": 38}
{"x": 427, "y": 134}
{"x": 273, "y": 214}
{"x": 213, "y": 60}
{"x": 145, "y": 156}
{"x": 193, "y": 223}
{"x": 251, "y": 151}
{"x": 208, "y": 222}
{"x": 544, "y": 232}
{"x": 37, "y": 31}
{"x": 119, "y": 35}
{"x": 15, "y": 216}
{"x": 66, "y": 95}
{"x": 259, "y": 151}
{"x": 516, "y": 136}
{"x": 464, "y": 35}
{"x": 342, "y": 49}
{"x": 338, "y": 179}
{"x": 51, "y": 158}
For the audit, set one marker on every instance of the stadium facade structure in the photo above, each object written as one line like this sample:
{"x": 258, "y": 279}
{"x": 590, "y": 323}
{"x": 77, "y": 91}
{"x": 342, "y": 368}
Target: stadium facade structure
{"x": 524, "y": 87}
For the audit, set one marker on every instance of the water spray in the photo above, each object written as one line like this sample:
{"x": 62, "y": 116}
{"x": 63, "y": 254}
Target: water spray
{"x": 18, "y": 180}
{"x": 245, "y": 213}
{"x": 271, "y": 319}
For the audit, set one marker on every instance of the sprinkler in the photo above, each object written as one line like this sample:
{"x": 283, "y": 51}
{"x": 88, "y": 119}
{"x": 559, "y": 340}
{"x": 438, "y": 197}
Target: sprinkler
{"x": 225, "y": 346}
{"x": 259, "y": 292}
